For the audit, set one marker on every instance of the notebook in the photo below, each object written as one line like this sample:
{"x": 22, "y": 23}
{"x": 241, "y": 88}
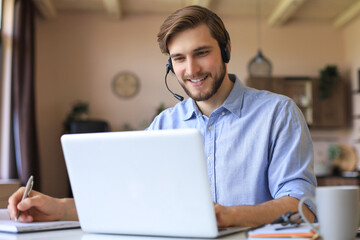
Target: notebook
{"x": 142, "y": 183}
{"x": 8, "y": 225}
{"x": 280, "y": 231}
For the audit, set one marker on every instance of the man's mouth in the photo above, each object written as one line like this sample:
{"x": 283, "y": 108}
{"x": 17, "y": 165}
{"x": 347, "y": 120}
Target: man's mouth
{"x": 197, "y": 80}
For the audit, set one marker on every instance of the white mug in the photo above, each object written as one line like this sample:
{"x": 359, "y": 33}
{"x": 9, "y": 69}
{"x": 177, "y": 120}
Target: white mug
{"x": 338, "y": 211}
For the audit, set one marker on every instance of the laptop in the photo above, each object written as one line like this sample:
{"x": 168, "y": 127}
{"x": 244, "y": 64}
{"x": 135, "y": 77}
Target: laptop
{"x": 142, "y": 183}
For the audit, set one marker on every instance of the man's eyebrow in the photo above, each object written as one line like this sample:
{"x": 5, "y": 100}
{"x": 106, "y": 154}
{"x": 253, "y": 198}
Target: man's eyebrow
{"x": 195, "y": 50}
{"x": 202, "y": 48}
{"x": 175, "y": 55}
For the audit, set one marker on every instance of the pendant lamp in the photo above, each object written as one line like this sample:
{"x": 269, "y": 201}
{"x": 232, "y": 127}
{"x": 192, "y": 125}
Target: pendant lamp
{"x": 259, "y": 66}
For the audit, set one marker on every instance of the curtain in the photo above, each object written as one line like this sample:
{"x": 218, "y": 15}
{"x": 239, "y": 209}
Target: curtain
{"x": 23, "y": 92}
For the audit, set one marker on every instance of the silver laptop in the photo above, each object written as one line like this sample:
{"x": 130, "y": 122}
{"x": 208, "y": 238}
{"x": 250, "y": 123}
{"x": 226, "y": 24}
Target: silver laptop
{"x": 142, "y": 183}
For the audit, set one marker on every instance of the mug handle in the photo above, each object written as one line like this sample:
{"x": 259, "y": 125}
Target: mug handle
{"x": 303, "y": 215}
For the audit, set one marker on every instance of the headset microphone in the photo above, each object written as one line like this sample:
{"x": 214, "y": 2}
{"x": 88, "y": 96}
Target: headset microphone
{"x": 168, "y": 69}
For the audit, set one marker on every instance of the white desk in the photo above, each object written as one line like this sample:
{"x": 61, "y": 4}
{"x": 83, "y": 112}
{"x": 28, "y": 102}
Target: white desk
{"x": 78, "y": 234}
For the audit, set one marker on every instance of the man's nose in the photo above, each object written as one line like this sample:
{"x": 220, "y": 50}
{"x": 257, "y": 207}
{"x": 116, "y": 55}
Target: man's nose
{"x": 192, "y": 67}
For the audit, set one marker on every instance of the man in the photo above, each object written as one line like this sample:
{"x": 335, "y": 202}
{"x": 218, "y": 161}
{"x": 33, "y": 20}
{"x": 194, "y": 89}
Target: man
{"x": 258, "y": 147}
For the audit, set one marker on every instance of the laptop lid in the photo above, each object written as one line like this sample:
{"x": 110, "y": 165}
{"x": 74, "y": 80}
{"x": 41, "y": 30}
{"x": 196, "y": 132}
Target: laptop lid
{"x": 141, "y": 182}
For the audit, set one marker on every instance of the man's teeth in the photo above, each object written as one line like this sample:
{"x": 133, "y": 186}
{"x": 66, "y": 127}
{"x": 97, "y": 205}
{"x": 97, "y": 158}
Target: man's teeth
{"x": 197, "y": 80}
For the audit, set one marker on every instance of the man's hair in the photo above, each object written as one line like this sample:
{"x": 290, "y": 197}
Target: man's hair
{"x": 191, "y": 17}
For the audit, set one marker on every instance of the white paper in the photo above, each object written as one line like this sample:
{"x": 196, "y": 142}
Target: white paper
{"x": 8, "y": 225}
{"x": 18, "y": 227}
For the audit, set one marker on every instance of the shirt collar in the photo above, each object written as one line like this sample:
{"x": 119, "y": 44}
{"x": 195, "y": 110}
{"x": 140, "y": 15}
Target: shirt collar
{"x": 233, "y": 102}
{"x": 192, "y": 109}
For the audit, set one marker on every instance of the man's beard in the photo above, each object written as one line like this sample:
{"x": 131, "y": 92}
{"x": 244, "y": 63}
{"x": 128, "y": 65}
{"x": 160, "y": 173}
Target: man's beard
{"x": 203, "y": 96}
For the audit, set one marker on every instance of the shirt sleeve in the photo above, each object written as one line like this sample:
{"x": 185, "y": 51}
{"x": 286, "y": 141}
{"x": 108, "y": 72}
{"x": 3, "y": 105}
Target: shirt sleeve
{"x": 291, "y": 163}
{"x": 159, "y": 122}
{"x": 154, "y": 125}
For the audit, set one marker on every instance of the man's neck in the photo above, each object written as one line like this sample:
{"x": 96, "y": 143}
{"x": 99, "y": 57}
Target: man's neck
{"x": 208, "y": 106}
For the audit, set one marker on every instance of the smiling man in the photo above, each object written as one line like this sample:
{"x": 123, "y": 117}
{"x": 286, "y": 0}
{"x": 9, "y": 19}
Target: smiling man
{"x": 196, "y": 59}
{"x": 258, "y": 147}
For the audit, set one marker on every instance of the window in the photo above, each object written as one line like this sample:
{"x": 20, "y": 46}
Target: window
{"x": 7, "y": 16}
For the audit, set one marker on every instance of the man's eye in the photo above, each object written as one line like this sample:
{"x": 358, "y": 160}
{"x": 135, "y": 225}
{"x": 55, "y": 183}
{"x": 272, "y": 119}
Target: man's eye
{"x": 203, "y": 53}
{"x": 178, "y": 59}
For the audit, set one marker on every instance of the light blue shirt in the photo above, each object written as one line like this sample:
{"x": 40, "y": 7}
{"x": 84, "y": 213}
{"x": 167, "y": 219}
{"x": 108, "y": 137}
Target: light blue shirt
{"x": 257, "y": 145}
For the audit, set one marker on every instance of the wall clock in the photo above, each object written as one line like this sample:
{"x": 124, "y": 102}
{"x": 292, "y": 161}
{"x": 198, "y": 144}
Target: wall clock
{"x": 126, "y": 85}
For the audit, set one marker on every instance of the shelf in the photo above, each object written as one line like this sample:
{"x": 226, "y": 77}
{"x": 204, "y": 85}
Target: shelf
{"x": 337, "y": 180}
{"x": 331, "y": 112}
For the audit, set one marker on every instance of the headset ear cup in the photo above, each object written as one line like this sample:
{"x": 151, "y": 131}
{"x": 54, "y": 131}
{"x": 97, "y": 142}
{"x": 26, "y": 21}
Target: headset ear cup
{"x": 225, "y": 53}
{"x": 225, "y": 48}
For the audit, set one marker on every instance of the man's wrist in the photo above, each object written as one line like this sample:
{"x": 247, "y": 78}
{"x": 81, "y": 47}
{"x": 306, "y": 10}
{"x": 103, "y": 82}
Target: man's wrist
{"x": 67, "y": 205}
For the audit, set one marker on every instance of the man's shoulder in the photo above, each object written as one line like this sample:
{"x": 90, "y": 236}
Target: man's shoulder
{"x": 267, "y": 104}
{"x": 181, "y": 108}
{"x": 265, "y": 97}
{"x": 173, "y": 117}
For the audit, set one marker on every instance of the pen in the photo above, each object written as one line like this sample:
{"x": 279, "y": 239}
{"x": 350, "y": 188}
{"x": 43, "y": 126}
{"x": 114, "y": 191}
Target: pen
{"x": 28, "y": 188}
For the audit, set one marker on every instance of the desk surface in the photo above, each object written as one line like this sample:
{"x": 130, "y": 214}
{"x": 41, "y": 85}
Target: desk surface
{"x": 78, "y": 234}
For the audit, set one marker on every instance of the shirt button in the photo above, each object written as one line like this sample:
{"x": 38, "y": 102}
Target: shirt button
{"x": 210, "y": 128}
{"x": 209, "y": 158}
{"x": 223, "y": 113}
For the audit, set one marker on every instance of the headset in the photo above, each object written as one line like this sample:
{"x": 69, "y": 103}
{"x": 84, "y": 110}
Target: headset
{"x": 169, "y": 68}
{"x": 225, "y": 55}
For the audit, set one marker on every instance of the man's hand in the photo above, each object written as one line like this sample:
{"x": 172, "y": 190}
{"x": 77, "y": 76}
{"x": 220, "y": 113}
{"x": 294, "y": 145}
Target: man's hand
{"x": 223, "y": 216}
{"x": 39, "y": 207}
{"x": 257, "y": 215}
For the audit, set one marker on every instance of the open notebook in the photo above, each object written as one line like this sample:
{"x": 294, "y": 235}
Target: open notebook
{"x": 8, "y": 225}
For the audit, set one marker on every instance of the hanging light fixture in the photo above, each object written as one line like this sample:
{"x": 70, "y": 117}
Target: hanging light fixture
{"x": 259, "y": 66}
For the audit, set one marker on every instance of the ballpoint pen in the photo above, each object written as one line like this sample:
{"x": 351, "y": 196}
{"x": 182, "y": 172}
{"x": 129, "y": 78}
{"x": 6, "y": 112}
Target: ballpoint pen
{"x": 28, "y": 188}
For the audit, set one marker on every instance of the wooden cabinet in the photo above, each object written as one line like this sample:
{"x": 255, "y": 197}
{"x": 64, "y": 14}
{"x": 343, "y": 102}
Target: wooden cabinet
{"x": 331, "y": 112}
{"x": 337, "y": 181}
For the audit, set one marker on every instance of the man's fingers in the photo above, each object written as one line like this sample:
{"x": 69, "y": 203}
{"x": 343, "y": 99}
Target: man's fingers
{"x": 16, "y": 196}
{"x": 12, "y": 212}
{"x": 25, "y": 218}
{"x": 31, "y": 201}
{"x": 13, "y": 201}
{"x": 217, "y": 207}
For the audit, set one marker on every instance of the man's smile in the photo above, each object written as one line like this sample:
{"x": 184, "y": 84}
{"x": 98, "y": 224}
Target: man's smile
{"x": 197, "y": 80}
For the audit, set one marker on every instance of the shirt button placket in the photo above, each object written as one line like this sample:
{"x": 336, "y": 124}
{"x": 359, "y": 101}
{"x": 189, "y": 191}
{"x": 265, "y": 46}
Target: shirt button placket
{"x": 211, "y": 148}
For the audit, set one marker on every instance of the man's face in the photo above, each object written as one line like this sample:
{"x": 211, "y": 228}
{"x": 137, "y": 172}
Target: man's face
{"x": 197, "y": 62}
